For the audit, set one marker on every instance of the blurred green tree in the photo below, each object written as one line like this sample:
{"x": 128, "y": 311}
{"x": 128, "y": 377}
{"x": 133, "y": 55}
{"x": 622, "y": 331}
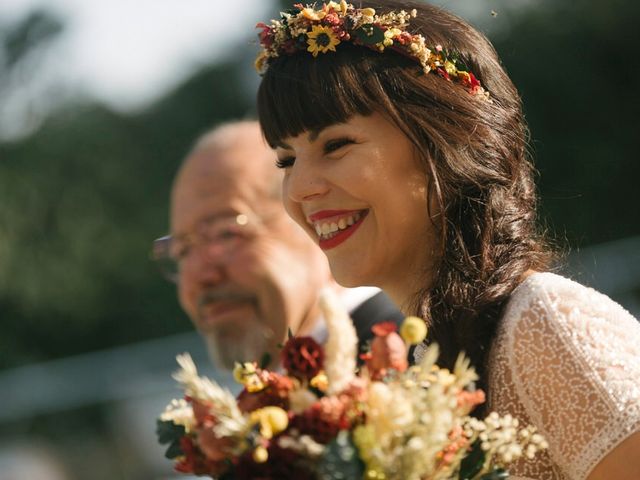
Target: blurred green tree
{"x": 80, "y": 202}
{"x": 575, "y": 64}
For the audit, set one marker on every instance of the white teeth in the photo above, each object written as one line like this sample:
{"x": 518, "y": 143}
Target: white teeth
{"x": 329, "y": 229}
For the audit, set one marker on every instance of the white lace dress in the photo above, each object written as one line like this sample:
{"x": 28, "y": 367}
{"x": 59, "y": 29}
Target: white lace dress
{"x": 567, "y": 360}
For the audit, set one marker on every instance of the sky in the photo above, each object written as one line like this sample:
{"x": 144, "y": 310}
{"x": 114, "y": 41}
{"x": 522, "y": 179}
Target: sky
{"x": 125, "y": 53}
{"x": 128, "y": 52}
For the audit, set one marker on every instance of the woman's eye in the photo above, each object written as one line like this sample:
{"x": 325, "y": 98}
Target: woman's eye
{"x": 333, "y": 145}
{"x": 285, "y": 162}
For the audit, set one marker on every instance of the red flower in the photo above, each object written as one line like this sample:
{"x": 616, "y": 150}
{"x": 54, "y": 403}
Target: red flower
{"x": 195, "y": 462}
{"x": 282, "y": 464}
{"x": 472, "y": 83}
{"x": 322, "y": 420}
{"x": 405, "y": 38}
{"x": 443, "y": 73}
{"x": 302, "y": 357}
{"x": 266, "y": 36}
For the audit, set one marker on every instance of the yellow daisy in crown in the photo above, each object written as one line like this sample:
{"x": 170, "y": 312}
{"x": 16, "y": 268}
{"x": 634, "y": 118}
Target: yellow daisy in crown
{"x": 321, "y": 39}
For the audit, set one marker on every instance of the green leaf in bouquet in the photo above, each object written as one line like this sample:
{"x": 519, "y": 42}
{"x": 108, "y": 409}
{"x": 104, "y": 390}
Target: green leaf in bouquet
{"x": 174, "y": 450}
{"x": 228, "y": 475}
{"x": 290, "y": 11}
{"x": 472, "y": 464}
{"x": 369, "y": 34}
{"x": 265, "y": 360}
{"x": 167, "y": 431}
{"x": 340, "y": 459}
{"x": 497, "y": 474}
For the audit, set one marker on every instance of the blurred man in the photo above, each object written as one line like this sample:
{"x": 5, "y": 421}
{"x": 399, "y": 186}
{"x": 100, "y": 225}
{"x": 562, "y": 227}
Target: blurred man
{"x": 246, "y": 273}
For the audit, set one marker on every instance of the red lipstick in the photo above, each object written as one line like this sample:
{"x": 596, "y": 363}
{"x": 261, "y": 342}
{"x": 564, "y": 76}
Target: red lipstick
{"x": 341, "y": 235}
{"x": 331, "y": 213}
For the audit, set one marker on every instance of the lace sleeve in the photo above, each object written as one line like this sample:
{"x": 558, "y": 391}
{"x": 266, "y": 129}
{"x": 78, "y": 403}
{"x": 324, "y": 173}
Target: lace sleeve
{"x": 574, "y": 357}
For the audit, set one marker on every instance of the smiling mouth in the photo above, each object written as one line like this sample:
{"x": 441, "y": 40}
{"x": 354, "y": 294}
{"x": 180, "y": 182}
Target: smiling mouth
{"x": 334, "y": 229}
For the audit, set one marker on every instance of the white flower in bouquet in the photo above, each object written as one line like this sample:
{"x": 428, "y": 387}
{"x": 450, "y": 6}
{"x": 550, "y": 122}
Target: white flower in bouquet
{"x": 179, "y": 412}
{"x": 229, "y": 420}
{"x": 342, "y": 343}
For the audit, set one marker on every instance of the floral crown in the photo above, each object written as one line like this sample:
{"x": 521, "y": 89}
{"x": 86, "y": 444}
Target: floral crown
{"x": 322, "y": 30}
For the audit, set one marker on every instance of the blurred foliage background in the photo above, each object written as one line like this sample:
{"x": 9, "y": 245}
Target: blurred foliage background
{"x": 84, "y": 194}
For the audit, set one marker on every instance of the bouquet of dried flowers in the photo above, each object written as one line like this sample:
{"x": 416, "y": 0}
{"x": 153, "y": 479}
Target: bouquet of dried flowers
{"x": 322, "y": 419}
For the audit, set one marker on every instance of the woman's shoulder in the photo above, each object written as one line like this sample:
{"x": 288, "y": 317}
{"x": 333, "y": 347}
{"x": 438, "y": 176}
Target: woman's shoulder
{"x": 554, "y": 322}
{"x": 560, "y": 302}
{"x": 557, "y": 289}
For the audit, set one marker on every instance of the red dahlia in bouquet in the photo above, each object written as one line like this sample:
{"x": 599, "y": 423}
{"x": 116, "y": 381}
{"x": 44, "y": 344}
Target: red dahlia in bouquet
{"x": 324, "y": 419}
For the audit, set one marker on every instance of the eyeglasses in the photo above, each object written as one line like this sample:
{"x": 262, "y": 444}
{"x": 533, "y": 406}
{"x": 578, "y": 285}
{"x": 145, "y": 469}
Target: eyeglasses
{"x": 227, "y": 234}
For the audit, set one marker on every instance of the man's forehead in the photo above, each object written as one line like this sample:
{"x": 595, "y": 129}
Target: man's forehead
{"x": 203, "y": 198}
{"x": 198, "y": 199}
{"x": 237, "y": 178}
{"x": 248, "y": 161}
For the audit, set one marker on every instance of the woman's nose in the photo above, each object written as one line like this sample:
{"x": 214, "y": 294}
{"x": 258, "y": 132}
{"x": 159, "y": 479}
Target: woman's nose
{"x": 305, "y": 181}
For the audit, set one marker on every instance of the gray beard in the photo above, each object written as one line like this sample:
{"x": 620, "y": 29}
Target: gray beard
{"x": 253, "y": 344}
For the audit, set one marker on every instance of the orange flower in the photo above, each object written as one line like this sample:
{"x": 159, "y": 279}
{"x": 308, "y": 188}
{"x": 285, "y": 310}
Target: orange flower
{"x": 388, "y": 351}
{"x": 468, "y": 400}
{"x": 311, "y": 14}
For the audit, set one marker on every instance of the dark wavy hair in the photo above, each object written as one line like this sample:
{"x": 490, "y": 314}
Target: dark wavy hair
{"x": 474, "y": 154}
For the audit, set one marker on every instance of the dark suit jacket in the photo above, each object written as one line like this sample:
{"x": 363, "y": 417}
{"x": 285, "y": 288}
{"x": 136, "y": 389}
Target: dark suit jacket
{"x": 377, "y": 309}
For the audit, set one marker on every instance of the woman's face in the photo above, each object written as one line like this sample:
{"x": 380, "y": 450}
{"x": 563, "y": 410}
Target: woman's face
{"x": 358, "y": 190}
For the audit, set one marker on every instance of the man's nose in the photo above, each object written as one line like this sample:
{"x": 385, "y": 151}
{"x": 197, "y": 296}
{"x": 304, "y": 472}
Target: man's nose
{"x": 206, "y": 263}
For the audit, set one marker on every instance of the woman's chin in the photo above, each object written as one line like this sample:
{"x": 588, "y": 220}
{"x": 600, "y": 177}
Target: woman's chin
{"x": 349, "y": 276}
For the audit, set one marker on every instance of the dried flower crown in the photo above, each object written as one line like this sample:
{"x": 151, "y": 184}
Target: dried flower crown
{"x": 305, "y": 28}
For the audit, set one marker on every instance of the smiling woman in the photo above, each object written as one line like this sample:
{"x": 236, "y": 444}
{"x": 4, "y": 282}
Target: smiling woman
{"x": 372, "y": 201}
{"x": 405, "y": 152}
{"x": 468, "y": 150}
